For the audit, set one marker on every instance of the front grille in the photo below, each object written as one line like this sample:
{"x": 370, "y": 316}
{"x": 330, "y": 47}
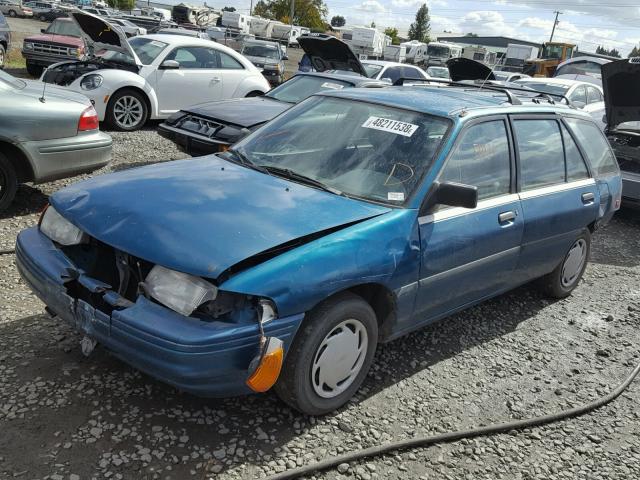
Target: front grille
{"x": 199, "y": 125}
{"x": 48, "y": 48}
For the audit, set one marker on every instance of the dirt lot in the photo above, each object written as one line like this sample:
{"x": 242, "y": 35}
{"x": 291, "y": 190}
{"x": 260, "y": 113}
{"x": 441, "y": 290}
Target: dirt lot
{"x": 64, "y": 416}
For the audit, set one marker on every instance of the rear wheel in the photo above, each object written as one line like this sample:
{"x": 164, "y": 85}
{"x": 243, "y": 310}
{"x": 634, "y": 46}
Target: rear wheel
{"x": 565, "y": 278}
{"x": 330, "y": 355}
{"x": 8, "y": 182}
{"x": 34, "y": 70}
{"x": 12, "y": 13}
{"x": 127, "y": 111}
{"x": 3, "y": 56}
{"x": 42, "y": 18}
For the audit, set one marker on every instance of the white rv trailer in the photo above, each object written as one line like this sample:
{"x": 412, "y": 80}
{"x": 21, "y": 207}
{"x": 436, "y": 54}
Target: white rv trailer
{"x": 367, "y": 41}
{"x": 236, "y": 21}
{"x": 261, "y": 27}
{"x": 286, "y": 34}
{"x": 395, "y": 53}
{"x": 439, "y": 52}
{"x": 415, "y": 51}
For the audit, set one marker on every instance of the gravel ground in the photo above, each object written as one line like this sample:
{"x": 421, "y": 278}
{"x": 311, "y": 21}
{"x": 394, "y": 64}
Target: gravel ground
{"x": 64, "y": 416}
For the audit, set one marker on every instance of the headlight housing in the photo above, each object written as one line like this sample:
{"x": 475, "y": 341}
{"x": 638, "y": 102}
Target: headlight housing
{"x": 91, "y": 82}
{"x": 28, "y": 45}
{"x": 59, "y": 229}
{"x": 272, "y": 68}
{"x": 179, "y": 291}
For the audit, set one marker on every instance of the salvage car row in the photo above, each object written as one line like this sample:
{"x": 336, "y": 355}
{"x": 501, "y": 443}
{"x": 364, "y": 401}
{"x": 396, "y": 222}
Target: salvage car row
{"x": 348, "y": 213}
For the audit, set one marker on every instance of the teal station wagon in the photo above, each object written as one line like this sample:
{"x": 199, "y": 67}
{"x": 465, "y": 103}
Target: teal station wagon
{"x": 351, "y": 219}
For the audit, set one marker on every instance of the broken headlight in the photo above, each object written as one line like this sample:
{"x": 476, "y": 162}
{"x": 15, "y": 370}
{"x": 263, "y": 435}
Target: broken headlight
{"x": 179, "y": 291}
{"x": 59, "y": 229}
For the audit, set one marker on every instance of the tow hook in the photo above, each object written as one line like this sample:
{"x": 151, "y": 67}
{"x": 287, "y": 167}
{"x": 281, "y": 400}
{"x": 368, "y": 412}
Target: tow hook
{"x": 87, "y": 344}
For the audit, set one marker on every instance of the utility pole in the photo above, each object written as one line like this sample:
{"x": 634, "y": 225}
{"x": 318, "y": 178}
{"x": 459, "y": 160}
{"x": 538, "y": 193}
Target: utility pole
{"x": 293, "y": 11}
{"x": 555, "y": 22}
{"x": 251, "y": 8}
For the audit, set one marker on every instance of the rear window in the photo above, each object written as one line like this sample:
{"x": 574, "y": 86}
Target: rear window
{"x": 595, "y": 146}
{"x": 541, "y": 153}
{"x": 303, "y": 86}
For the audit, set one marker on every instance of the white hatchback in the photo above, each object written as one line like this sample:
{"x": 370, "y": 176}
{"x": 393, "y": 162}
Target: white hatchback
{"x": 152, "y": 76}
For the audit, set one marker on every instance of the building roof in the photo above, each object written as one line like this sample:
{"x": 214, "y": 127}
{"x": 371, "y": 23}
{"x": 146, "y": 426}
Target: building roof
{"x": 499, "y": 42}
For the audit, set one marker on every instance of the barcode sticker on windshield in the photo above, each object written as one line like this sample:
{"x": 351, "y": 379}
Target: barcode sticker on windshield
{"x": 332, "y": 86}
{"x": 395, "y": 196}
{"x": 392, "y": 126}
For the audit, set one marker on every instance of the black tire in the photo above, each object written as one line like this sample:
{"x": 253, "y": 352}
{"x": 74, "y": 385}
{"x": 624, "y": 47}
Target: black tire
{"x": 8, "y": 182}
{"x": 3, "y": 56}
{"x": 12, "y": 13}
{"x": 110, "y": 116}
{"x": 34, "y": 70}
{"x": 42, "y": 18}
{"x": 255, "y": 93}
{"x": 553, "y": 283}
{"x": 295, "y": 385}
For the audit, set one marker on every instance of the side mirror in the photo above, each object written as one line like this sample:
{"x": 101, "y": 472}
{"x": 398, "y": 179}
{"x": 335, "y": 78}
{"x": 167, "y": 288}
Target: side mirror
{"x": 169, "y": 65}
{"x": 43, "y": 30}
{"x": 453, "y": 195}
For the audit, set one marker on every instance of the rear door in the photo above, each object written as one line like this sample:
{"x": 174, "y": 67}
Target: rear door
{"x": 559, "y": 198}
{"x": 469, "y": 254}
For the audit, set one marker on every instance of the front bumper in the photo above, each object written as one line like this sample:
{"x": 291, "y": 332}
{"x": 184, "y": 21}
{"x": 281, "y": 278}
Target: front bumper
{"x": 189, "y": 142}
{"x": 273, "y": 77}
{"x": 65, "y": 157}
{"x": 204, "y": 358}
{"x": 631, "y": 189}
{"x": 45, "y": 60}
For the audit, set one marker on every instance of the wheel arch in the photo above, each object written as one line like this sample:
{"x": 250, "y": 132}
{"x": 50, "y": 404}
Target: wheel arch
{"x": 19, "y": 160}
{"x": 145, "y": 96}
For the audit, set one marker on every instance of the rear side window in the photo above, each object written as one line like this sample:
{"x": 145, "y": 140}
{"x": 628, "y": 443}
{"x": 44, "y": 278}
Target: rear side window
{"x": 228, "y": 62}
{"x": 541, "y": 153}
{"x": 579, "y": 95}
{"x": 593, "y": 95}
{"x": 595, "y": 146}
{"x": 576, "y": 168}
{"x": 481, "y": 158}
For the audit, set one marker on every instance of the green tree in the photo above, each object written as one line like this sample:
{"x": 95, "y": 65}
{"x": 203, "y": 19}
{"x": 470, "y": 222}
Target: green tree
{"x": 122, "y": 4}
{"x": 261, "y": 9}
{"x": 228, "y": 9}
{"x": 420, "y": 29}
{"x": 635, "y": 52}
{"x": 338, "y": 21}
{"x": 307, "y": 13}
{"x": 615, "y": 53}
{"x": 373, "y": 25}
{"x": 471, "y": 35}
{"x": 393, "y": 34}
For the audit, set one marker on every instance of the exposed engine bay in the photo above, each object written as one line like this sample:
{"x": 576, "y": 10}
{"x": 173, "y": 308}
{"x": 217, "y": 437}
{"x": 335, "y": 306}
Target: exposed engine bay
{"x": 64, "y": 74}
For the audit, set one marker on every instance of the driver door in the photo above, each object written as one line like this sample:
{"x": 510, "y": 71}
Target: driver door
{"x": 197, "y": 80}
{"x": 469, "y": 254}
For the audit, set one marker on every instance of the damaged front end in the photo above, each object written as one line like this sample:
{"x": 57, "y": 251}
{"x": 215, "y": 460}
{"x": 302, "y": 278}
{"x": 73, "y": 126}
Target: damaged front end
{"x": 65, "y": 73}
{"x": 176, "y": 327}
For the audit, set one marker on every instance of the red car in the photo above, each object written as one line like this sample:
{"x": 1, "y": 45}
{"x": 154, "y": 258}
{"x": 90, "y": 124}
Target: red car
{"x": 61, "y": 41}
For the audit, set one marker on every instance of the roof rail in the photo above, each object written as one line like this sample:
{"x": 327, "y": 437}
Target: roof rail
{"x": 484, "y": 86}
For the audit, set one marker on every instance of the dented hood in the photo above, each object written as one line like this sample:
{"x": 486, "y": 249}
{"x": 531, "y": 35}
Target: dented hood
{"x": 329, "y": 53}
{"x": 620, "y": 81}
{"x": 101, "y": 35}
{"x": 466, "y": 69}
{"x": 202, "y": 216}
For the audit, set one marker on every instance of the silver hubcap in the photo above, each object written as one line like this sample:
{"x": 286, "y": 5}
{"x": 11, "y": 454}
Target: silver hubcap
{"x": 128, "y": 111}
{"x": 574, "y": 262}
{"x": 339, "y": 358}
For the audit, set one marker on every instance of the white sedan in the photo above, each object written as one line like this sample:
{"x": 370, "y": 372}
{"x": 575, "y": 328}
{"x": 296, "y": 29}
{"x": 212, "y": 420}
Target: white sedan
{"x": 380, "y": 69}
{"x": 152, "y": 76}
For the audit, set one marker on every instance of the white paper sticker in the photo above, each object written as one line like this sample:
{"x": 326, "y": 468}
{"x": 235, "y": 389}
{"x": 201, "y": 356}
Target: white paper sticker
{"x": 393, "y": 126}
{"x": 395, "y": 196}
{"x": 332, "y": 86}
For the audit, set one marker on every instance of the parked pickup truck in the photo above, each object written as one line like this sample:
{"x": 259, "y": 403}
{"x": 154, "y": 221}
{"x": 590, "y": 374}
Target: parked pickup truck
{"x": 61, "y": 41}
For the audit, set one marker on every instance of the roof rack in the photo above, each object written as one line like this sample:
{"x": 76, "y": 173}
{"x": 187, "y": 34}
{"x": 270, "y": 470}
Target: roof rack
{"x": 513, "y": 100}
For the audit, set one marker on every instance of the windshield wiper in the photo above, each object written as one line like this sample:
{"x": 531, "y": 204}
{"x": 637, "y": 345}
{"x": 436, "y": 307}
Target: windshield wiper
{"x": 299, "y": 177}
{"x": 241, "y": 159}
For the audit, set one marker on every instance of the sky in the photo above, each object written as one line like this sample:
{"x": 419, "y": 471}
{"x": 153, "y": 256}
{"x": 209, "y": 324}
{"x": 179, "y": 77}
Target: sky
{"x": 588, "y": 23}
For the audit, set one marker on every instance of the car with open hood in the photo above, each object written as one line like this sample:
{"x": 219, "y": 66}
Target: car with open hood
{"x": 214, "y": 126}
{"x": 620, "y": 80}
{"x": 351, "y": 219}
{"x": 151, "y": 76}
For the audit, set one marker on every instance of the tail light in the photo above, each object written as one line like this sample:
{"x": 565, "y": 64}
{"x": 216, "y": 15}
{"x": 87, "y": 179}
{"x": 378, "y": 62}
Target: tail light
{"x": 88, "y": 120}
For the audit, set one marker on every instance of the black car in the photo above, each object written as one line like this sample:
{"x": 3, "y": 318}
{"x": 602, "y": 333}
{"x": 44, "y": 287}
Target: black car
{"x": 622, "y": 98}
{"x": 5, "y": 39}
{"x": 212, "y": 127}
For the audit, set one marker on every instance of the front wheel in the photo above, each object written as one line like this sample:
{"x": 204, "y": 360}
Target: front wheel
{"x": 42, "y": 18}
{"x": 34, "y": 70}
{"x": 3, "y": 56}
{"x": 127, "y": 111}
{"x": 8, "y": 182}
{"x": 12, "y": 13}
{"x": 566, "y": 276}
{"x": 330, "y": 355}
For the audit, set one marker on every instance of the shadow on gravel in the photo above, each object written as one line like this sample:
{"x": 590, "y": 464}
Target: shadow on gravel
{"x": 618, "y": 244}
{"x": 28, "y": 200}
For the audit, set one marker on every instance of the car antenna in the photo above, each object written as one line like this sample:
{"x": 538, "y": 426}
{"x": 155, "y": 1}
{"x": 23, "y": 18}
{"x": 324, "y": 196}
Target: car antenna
{"x": 44, "y": 85}
{"x": 490, "y": 73}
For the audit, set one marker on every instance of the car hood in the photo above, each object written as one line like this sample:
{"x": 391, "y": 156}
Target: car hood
{"x": 467, "y": 69}
{"x": 99, "y": 34}
{"x": 244, "y": 112}
{"x": 328, "y": 53}
{"x": 205, "y": 215}
{"x": 620, "y": 80}
{"x": 262, "y": 60}
{"x": 55, "y": 38}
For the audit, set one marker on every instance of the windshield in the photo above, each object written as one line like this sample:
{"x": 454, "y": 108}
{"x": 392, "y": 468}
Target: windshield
{"x": 371, "y": 70}
{"x": 364, "y": 150}
{"x": 59, "y": 27}
{"x": 267, "y": 51}
{"x": 303, "y": 86}
{"x": 438, "y": 72}
{"x": 146, "y": 49}
{"x": 438, "y": 51}
{"x": 7, "y": 81}
{"x": 553, "y": 51}
{"x": 500, "y": 76}
{"x": 581, "y": 68}
{"x": 550, "y": 88}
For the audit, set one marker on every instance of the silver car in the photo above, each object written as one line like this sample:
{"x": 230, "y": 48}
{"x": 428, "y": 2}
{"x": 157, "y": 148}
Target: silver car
{"x": 45, "y": 135}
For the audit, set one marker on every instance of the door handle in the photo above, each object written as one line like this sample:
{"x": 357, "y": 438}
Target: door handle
{"x": 588, "y": 198}
{"x": 215, "y": 79}
{"x": 507, "y": 217}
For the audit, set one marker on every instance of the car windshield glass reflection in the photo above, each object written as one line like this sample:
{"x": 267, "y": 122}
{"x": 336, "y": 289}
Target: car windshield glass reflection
{"x": 550, "y": 88}
{"x": 371, "y": 69}
{"x": 303, "y": 86}
{"x": 266, "y": 51}
{"x": 361, "y": 149}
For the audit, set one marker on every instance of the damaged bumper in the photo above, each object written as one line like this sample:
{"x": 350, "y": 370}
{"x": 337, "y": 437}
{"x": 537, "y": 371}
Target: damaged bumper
{"x": 204, "y": 358}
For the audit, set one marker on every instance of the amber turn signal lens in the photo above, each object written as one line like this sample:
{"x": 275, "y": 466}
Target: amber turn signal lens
{"x": 265, "y": 368}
